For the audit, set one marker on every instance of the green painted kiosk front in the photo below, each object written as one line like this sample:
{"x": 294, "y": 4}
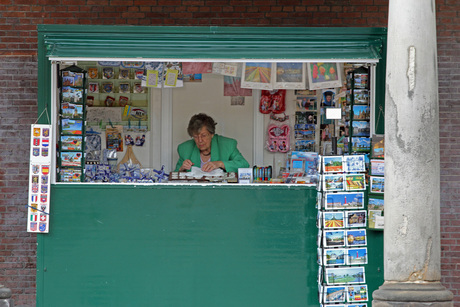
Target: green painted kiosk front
{"x": 206, "y": 245}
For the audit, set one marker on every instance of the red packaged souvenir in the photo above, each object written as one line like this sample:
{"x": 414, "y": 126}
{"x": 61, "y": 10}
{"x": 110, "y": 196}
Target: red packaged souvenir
{"x": 272, "y": 101}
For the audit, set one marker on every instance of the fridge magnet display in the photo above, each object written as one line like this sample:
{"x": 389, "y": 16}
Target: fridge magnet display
{"x": 71, "y": 110}
{"x": 359, "y": 144}
{"x": 70, "y": 94}
{"x": 361, "y": 112}
{"x": 377, "y": 167}
{"x": 324, "y": 75}
{"x": 113, "y": 136}
{"x": 377, "y": 184}
{"x": 334, "y": 238}
{"x": 338, "y": 201}
{"x": 357, "y": 293}
{"x": 70, "y": 174}
{"x": 355, "y": 163}
{"x": 355, "y": 219}
{"x": 71, "y": 126}
{"x": 123, "y": 73}
{"x": 333, "y": 219}
{"x": 355, "y": 182}
{"x": 378, "y": 146}
{"x": 290, "y": 76}
{"x": 107, "y": 73}
{"x": 333, "y": 182}
{"x": 356, "y": 237}
{"x": 334, "y": 257}
{"x": 107, "y": 87}
{"x": 346, "y": 275}
{"x": 332, "y": 164}
{"x": 257, "y": 76}
{"x": 71, "y": 143}
{"x": 335, "y": 294}
{"x": 357, "y": 256}
{"x": 93, "y": 87}
{"x": 361, "y": 128}
{"x": 93, "y": 73}
{"x": 71, "y": 158}
{"x": 124, "y": 88}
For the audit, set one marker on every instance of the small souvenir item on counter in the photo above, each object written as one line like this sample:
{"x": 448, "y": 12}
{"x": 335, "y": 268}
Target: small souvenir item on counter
{"x": 109, "y": 101}
{"x": 92, "y": 73}
{"x": 123, "y": 101}
{"x": 278, "y": 138}
{"x": 124, "y": 88}
{"x": 261, "y": 173}
{"x": 129, "y": 158}
{"x": 107, "y": 73}
{"x": 160, "y": 174}
{"x": 124, "y": 73}
{"x": 107, "y": 87}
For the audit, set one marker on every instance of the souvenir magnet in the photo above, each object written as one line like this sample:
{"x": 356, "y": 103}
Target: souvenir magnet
{"x": 45, "y": 152}
{"x": 36, "y": 151}
{"x": 35, "y": 168}
{"x": 42, "y": 227}
{"x": 33, "y": 226}
{"x": 46, "y": 132}
{"x": 36, "y": 131}
{"x": 36, "y": 142}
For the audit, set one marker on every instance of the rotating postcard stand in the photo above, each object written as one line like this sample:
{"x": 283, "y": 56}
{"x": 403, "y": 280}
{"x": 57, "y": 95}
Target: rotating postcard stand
{"x": 72, "y": 117}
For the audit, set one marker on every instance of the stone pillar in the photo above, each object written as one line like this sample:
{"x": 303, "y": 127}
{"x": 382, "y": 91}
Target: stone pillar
{"x": 412, "y": 249}
{"x": 5, "y": 297}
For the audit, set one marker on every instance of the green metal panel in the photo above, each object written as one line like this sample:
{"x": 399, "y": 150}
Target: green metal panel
{"x": 212, "y": 42}
{"x": 183, "y": 246}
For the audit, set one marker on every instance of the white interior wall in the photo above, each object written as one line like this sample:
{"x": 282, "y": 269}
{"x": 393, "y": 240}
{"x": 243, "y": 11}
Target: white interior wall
{"x": 234, "y": 121}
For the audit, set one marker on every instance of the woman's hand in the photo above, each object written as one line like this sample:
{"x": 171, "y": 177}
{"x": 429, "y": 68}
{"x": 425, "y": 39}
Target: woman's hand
{"x": 210, "y": 166}
{"x": 186, "y": 165}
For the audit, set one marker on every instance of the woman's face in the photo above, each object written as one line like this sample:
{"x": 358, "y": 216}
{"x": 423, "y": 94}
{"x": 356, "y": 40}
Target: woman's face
{"x": 203, "y": 139}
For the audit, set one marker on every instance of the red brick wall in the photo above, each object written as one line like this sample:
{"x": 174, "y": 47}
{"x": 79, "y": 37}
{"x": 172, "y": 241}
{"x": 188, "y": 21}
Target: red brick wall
{"x": 18, "y": 72}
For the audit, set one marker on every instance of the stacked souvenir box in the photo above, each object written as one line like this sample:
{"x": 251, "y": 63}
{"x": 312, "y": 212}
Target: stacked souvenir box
{"x": 342, "y": 238}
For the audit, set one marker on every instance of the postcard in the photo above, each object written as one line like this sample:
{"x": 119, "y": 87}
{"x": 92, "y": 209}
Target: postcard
{"x": 357, "y": 305}
{"x": 70, "y": 94}
{"x": 333, "y": 182}
{"x": 346, "y": 275}
{"x": 334, "y": 238}
{"x": 361, "y": 96}
{"x": 355, "y": 182}
{"x": 324, "y": 75}
{"x": 333, "y": 220}
{"x": 71, "y": 142}
{"x": 377, "y": 167}
{"x": 71, "y": 158}
{"x": 361, "y": 128}
{"x": 361, "y": 112}
{"x": 378, "y": 146}
{"x": 357, "y": 255}
{"x": 356, "y": 218}
{"x": 335, "y": 294}
{"x": 354, "y": 163}
{"x": 71, "y": 110}
{"x": 373, "y": 217}
{"x": 356, "y": 237}
{"x": 70, "y": 175}
{"x": 350, "y": 200}
{"x": 334, "y": 257}
{"x": 357, "y": 293}
{"x": 377, "y": 184}
{"x": 375, "y": 203}
{"x": 332, "y": 164}
{"x": 290, "y": 76}
{"x": 359, "y": 144}
{"x": 70, "y": 126}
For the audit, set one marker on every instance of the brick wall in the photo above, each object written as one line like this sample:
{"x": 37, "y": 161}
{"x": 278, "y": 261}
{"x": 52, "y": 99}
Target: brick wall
{"x": 18, "y": 87}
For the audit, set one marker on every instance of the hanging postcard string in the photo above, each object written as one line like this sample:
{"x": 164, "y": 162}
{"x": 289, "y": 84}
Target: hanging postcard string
{"x": 45, "y": 110}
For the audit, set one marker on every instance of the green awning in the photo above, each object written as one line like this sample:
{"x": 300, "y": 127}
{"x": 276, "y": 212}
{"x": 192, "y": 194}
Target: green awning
{"x": 201, "y": 43}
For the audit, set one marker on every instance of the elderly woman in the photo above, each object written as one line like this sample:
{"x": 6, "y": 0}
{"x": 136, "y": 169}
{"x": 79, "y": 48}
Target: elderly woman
{"x": 208, "y": 150}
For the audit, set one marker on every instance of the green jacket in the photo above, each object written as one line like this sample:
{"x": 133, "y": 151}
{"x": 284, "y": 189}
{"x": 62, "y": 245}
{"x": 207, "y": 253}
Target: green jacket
{"x": 222, "y": 149}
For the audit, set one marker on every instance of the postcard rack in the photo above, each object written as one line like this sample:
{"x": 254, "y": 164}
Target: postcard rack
{"x": 72, "y": 121}
{"x": 342, "y": 238}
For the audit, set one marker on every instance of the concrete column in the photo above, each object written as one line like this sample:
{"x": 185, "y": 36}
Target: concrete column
{"x": 412, "y": 248}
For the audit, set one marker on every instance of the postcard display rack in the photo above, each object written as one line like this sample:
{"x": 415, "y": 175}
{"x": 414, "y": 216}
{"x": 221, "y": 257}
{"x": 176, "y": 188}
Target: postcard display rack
{"x": 359, "y": 110}
{"x": 342, "y": 238}
{"x": 72, "y": 122}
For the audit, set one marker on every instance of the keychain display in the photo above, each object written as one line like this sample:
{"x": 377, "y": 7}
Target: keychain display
{"x": 278, "y": 139}
{"x": 272, "y": 102}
